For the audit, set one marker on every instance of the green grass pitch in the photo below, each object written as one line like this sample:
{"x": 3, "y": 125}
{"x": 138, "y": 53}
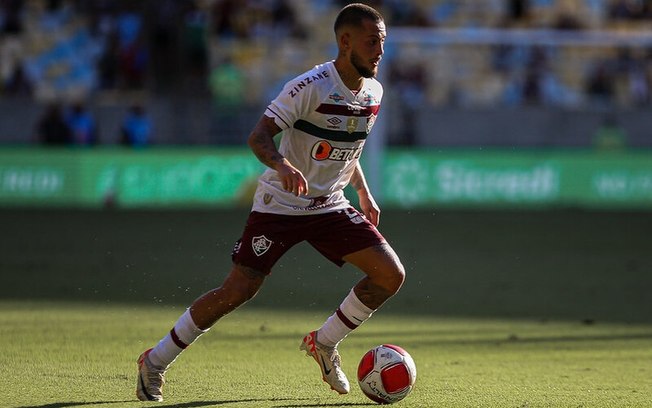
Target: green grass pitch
{"x": 500, "y": 309}
{"x": 68, "y": 355}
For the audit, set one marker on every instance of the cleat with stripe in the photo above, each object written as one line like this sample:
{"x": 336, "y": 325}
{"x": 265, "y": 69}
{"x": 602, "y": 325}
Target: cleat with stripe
{"x": 329, "y": 362}
{"x": 150, "y": 379}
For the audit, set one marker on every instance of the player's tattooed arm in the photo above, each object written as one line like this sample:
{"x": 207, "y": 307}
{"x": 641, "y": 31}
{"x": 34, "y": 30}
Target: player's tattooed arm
{"x": 261, "y": 142}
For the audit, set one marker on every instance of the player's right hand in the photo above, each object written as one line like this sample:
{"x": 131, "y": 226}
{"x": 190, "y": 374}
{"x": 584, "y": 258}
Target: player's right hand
{"x": 292, "y": 179}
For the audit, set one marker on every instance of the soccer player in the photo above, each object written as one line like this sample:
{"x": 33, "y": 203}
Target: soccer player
{"x": 325, "y": 116}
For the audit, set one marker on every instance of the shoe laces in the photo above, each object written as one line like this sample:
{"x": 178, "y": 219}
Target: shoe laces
{"x": 155, "y": 375}
{"x": 336, "y": 359}
{"x": 332, "y": 354}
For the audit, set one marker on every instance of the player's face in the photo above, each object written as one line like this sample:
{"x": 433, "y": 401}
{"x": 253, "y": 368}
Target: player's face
{"x": 368, "y": 48}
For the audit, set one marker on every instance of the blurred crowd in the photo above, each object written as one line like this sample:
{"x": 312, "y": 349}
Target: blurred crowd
{"x": 60, "y": 52}
{"x": 75, "y": 125}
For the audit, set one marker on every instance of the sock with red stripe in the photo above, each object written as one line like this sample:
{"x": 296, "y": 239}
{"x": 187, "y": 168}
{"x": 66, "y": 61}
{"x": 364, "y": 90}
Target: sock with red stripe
{"x": 183, "y": 334}
{"x": 351, "y": 314}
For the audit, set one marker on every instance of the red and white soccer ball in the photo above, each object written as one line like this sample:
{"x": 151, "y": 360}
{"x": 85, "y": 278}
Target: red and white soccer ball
{"x": 386, "y": 374}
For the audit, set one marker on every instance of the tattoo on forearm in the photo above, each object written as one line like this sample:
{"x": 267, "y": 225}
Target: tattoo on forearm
{"x": 262, "y": 144}
{"x": 265, "y": 150}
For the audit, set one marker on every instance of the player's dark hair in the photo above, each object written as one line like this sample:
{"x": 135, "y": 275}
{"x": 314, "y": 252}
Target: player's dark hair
{"x": 354, "y": 14}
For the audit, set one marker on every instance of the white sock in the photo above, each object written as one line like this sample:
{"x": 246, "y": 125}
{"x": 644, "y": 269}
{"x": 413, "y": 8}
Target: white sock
{"x": 183, "y": 334}
{"x": 351, "y": 314}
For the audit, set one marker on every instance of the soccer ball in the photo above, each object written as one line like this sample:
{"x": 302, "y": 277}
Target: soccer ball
{"x": 386, "y": 374}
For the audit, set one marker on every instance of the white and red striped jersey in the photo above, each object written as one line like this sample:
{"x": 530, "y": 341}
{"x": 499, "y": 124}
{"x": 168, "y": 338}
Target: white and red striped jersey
{"x": 325, "y": 126}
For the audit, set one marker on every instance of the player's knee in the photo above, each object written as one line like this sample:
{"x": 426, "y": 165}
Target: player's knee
{"x": 392, "y": 278}
{"x": 396, "y": 277}
{"x": 395, "y": 271}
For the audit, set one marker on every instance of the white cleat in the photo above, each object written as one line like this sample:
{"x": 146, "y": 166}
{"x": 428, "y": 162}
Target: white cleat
{"x": 150, "y": 379}
{"x": 329, "y": 362}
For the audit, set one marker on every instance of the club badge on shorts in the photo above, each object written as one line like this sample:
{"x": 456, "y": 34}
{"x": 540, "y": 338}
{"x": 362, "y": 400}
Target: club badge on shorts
{"x": 260, "y": 244}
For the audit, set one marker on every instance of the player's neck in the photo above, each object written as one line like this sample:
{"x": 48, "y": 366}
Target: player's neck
{"x": 349, "y": 75}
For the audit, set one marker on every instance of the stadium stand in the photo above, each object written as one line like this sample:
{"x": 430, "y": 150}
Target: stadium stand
{"x": 117, "y": 52}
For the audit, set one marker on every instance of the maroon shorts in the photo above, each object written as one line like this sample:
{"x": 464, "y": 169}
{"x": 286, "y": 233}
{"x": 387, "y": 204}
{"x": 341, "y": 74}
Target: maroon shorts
{"x": 267, "y": 237}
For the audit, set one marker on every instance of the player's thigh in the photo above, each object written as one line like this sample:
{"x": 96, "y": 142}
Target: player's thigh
{"x": 244, "y": 280}
{"x": 265, "y": 239}
{"x": 338, "y": 234}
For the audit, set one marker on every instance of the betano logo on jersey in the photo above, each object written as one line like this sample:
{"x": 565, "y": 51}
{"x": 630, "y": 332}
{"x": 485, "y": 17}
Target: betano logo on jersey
{"x": 323, "y": 150}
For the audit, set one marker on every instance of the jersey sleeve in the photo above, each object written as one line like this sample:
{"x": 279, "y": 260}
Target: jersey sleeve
{"x": 290, "y": 105}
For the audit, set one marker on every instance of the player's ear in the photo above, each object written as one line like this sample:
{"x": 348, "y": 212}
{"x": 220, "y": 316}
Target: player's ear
{"x": 344, "y": 40}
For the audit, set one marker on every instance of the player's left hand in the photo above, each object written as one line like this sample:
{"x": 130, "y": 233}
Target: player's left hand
{"x": 369, "y": 208}
{"x": 292, "y": 179}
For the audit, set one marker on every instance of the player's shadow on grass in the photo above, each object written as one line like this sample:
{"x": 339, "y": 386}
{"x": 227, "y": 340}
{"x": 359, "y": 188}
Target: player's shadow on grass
{"x": 198, "y": 404}
{"x": 73, "y": 404}
{"x": 346, "y": 404}
{"x": 193, "y": 404}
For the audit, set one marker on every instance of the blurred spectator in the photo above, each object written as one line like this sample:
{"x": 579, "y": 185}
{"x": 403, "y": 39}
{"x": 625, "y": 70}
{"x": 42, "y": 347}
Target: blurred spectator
{"x": 567, "y": 20}
{"x": 633, "y": 71}
{"x": 535, "y": 65}
{"x": 600, "y": 84}
{"x": 401, "y": 13}
{"x": 620, "y": 9}
{"x": 286, "y": 21}
{"x": 537, "y": 74}
{"x": 51, "y": 128}
{"x": 518, "y": 10}
{"x": 136, "y": 130}
{"x": 11, "y": 44}
{"x": 234, "y": 19}
{"x": 123, "y": 63}
{"x": 132, "y": 52}
{"x": 228, "y": 17}
{"x": 164, "y": 43}
{"x": 639, "y": 84}
{"x": 18, "y": 84}
{"x": 163, "y": 31}
{"x": 133, "y": 65}
{"x": 108, "y": 63}
{"x": 56, "y": 15}
{"x": 195, "y": 23}
{"x": 507, "y": 57}
{"x": 11, "y": 16}
{"x": 410, "y": 84}
{"x": 82, "y": 125}
{"x": 100, "y": 14}
{"x": 630, "y": 9}
{"x": 532, "y": 87}
{"x": 128, "y": 24}
{"x": 227, "y": 85}
{"x": 529, "y": 77}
